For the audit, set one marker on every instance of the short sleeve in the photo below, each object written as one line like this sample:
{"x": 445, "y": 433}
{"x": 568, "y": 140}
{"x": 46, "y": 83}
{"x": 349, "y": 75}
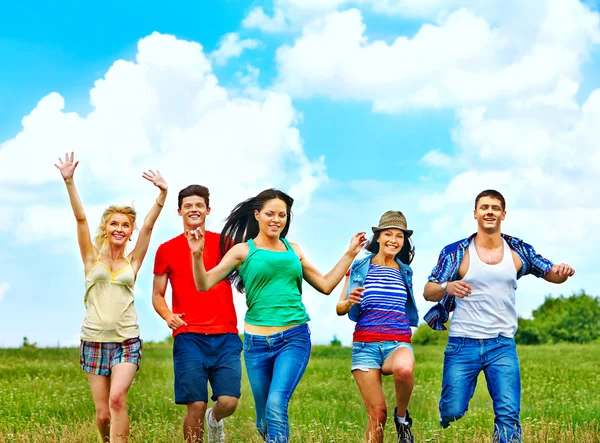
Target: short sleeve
{"x": 161, "y": 265}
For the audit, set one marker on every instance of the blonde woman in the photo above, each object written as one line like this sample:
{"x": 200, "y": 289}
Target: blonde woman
{"x": 111, "y": 349}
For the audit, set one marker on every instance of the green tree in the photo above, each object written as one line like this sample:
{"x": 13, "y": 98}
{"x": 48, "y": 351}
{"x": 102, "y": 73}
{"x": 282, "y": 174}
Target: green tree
{"x": 529, "y": 333}
{"x": 27, "y": 345}
{"x": 569, "y": 319}
{"x": 335, "y": 342}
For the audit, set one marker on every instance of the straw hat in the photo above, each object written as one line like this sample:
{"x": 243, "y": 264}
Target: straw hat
{"x": 392, "y": 219}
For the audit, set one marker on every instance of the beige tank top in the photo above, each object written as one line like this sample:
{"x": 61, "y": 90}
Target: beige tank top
{"x": 110, "y": 314}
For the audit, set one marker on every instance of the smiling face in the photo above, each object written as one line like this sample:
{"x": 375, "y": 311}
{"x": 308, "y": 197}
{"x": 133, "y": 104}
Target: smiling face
{"x": 118, "y": 229}
{"x": 390, "y": 241}
{"x": 193, "y": 211}
{"x": 272, "y": 217}
{"x": 489, "y": 214}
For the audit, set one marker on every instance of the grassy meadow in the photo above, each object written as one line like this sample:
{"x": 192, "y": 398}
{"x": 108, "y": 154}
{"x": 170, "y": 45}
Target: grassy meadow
{"x": 44, "y": 397}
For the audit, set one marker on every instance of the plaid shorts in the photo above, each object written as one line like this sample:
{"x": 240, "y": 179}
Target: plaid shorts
{"x": 99, "y": 358}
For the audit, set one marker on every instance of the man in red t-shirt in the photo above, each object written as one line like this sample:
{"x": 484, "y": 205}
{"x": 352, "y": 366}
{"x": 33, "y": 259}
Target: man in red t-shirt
{"x": 206, "y": 346}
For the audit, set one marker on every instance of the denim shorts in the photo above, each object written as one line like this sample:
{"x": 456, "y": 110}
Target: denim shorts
{"x": 371, "y": 355}
{"x": 199, "y": 359}
{"x": 99, "y": 358}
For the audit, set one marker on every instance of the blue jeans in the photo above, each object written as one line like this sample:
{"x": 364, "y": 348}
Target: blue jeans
{"x": 464, "y": 359}
{"x": 275, "y": 364}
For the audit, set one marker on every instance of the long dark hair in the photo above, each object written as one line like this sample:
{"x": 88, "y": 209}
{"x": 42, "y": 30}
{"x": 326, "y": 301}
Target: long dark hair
{"x": 406, "y": 254}
{"x": 241, "y": 225}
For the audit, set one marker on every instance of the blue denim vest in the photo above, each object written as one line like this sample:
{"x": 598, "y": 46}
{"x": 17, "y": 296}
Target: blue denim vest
{"x": 358, "y": 275}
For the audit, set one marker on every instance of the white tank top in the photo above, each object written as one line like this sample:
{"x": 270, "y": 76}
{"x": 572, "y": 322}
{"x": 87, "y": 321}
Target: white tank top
{"x": 490, "y": 310}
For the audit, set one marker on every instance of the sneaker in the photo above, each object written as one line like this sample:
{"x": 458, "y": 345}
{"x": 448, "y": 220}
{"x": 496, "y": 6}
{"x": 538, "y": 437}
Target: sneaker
{"x": 215, "y": 432}
{"x": 403, "y": 429}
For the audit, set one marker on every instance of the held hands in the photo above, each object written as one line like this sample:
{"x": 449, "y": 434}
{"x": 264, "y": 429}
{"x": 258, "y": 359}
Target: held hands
{"x": 563, "y": 270}
{"x": 174, "y": 321}
{"x": 67, "y": 168}
{"x": 156, "y": 179}
{"x": 195, "y": 239}
{"x": 357, "y": 242}
{"x": 459, "y": 289}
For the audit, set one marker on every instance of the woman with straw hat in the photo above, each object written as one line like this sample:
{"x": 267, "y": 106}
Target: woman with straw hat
{"x": 378, "y": 296}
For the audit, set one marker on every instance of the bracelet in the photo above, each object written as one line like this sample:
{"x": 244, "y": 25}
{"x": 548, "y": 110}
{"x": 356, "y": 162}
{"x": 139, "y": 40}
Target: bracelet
{"x": 162, "y": 206}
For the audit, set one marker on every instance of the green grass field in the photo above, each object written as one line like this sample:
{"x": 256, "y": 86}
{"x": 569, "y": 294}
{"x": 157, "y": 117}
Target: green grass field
{"x": 44, "y": 397}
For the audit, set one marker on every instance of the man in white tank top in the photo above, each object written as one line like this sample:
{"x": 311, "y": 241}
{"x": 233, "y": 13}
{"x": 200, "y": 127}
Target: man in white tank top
{"x": 477, "y": 278}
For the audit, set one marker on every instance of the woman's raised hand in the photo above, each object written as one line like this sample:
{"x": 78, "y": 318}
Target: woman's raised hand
{"x": 67, "y": 167}
{"x": 195, "y": 239}
{"x": 357, "y": 242}
{"x": 156, "y": 179}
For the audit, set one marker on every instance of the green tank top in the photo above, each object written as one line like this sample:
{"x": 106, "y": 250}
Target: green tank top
{"x": 273, "y": 282}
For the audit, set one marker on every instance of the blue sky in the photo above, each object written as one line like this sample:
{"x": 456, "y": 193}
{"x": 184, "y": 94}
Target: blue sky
{"x": 354, "y": 107}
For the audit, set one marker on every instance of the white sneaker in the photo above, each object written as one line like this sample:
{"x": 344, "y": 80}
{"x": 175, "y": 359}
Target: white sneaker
{"x": 214, "y": 429}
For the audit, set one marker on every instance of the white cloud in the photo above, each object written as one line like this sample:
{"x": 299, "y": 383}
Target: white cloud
{"x": 7, "y": 217}
{"x": 258, "y": 19}
{"x": 467, "y": 58}
{"x": 164, "y": 111}
{"x": 40, "y": 222}
{"x": 418, "y": 8}
{"x": 291, "y": 15}
{"x": 436, "y": 158}
{"x": 333, "y": 57}
{"x": 231, "y": 46}
{"x": 4, "y": 287}
{"x": 512, "y": 82}
{"x": 250, "y": 78}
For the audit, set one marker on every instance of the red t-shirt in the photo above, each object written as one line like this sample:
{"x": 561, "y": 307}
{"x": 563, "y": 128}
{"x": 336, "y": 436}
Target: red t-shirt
{"x": 210, "y": 312}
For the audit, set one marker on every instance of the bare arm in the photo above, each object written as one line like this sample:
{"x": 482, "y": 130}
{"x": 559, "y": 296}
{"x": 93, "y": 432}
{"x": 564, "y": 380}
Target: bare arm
{"x": 344, "y": 304}
{"x": 342, "y": 307}
{"x": 559, "y": 273}
{"x": 327, "y": 283}
{"x": 86, "y": 247}
{"x": 434, "y": 292}
{"x": 141, "y": 246}
{"x": 205, "y": 280}
{"x": 159, "y": 288}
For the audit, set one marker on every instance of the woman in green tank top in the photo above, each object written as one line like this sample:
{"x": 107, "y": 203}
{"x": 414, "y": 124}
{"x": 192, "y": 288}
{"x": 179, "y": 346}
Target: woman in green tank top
{"x": 262, "y": 263}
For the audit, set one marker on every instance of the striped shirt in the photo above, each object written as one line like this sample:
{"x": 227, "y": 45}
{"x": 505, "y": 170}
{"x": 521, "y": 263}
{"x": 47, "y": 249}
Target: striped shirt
{"x": 382, "y": 307}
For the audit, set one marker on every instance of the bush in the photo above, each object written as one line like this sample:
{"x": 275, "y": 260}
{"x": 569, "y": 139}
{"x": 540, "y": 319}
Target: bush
{"x": 529, "y": 333}
{"x": 335, "y": 342}
{"x": 424, "y": 335}
{"x": 571, "y": 319}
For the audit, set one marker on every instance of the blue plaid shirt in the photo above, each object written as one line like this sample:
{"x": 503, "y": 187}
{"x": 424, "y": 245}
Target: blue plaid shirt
{"x": 449, "y": 262}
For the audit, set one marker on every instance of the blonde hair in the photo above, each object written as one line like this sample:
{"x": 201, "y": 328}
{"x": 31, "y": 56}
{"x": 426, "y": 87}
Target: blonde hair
{"x": 100, "y": 240}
